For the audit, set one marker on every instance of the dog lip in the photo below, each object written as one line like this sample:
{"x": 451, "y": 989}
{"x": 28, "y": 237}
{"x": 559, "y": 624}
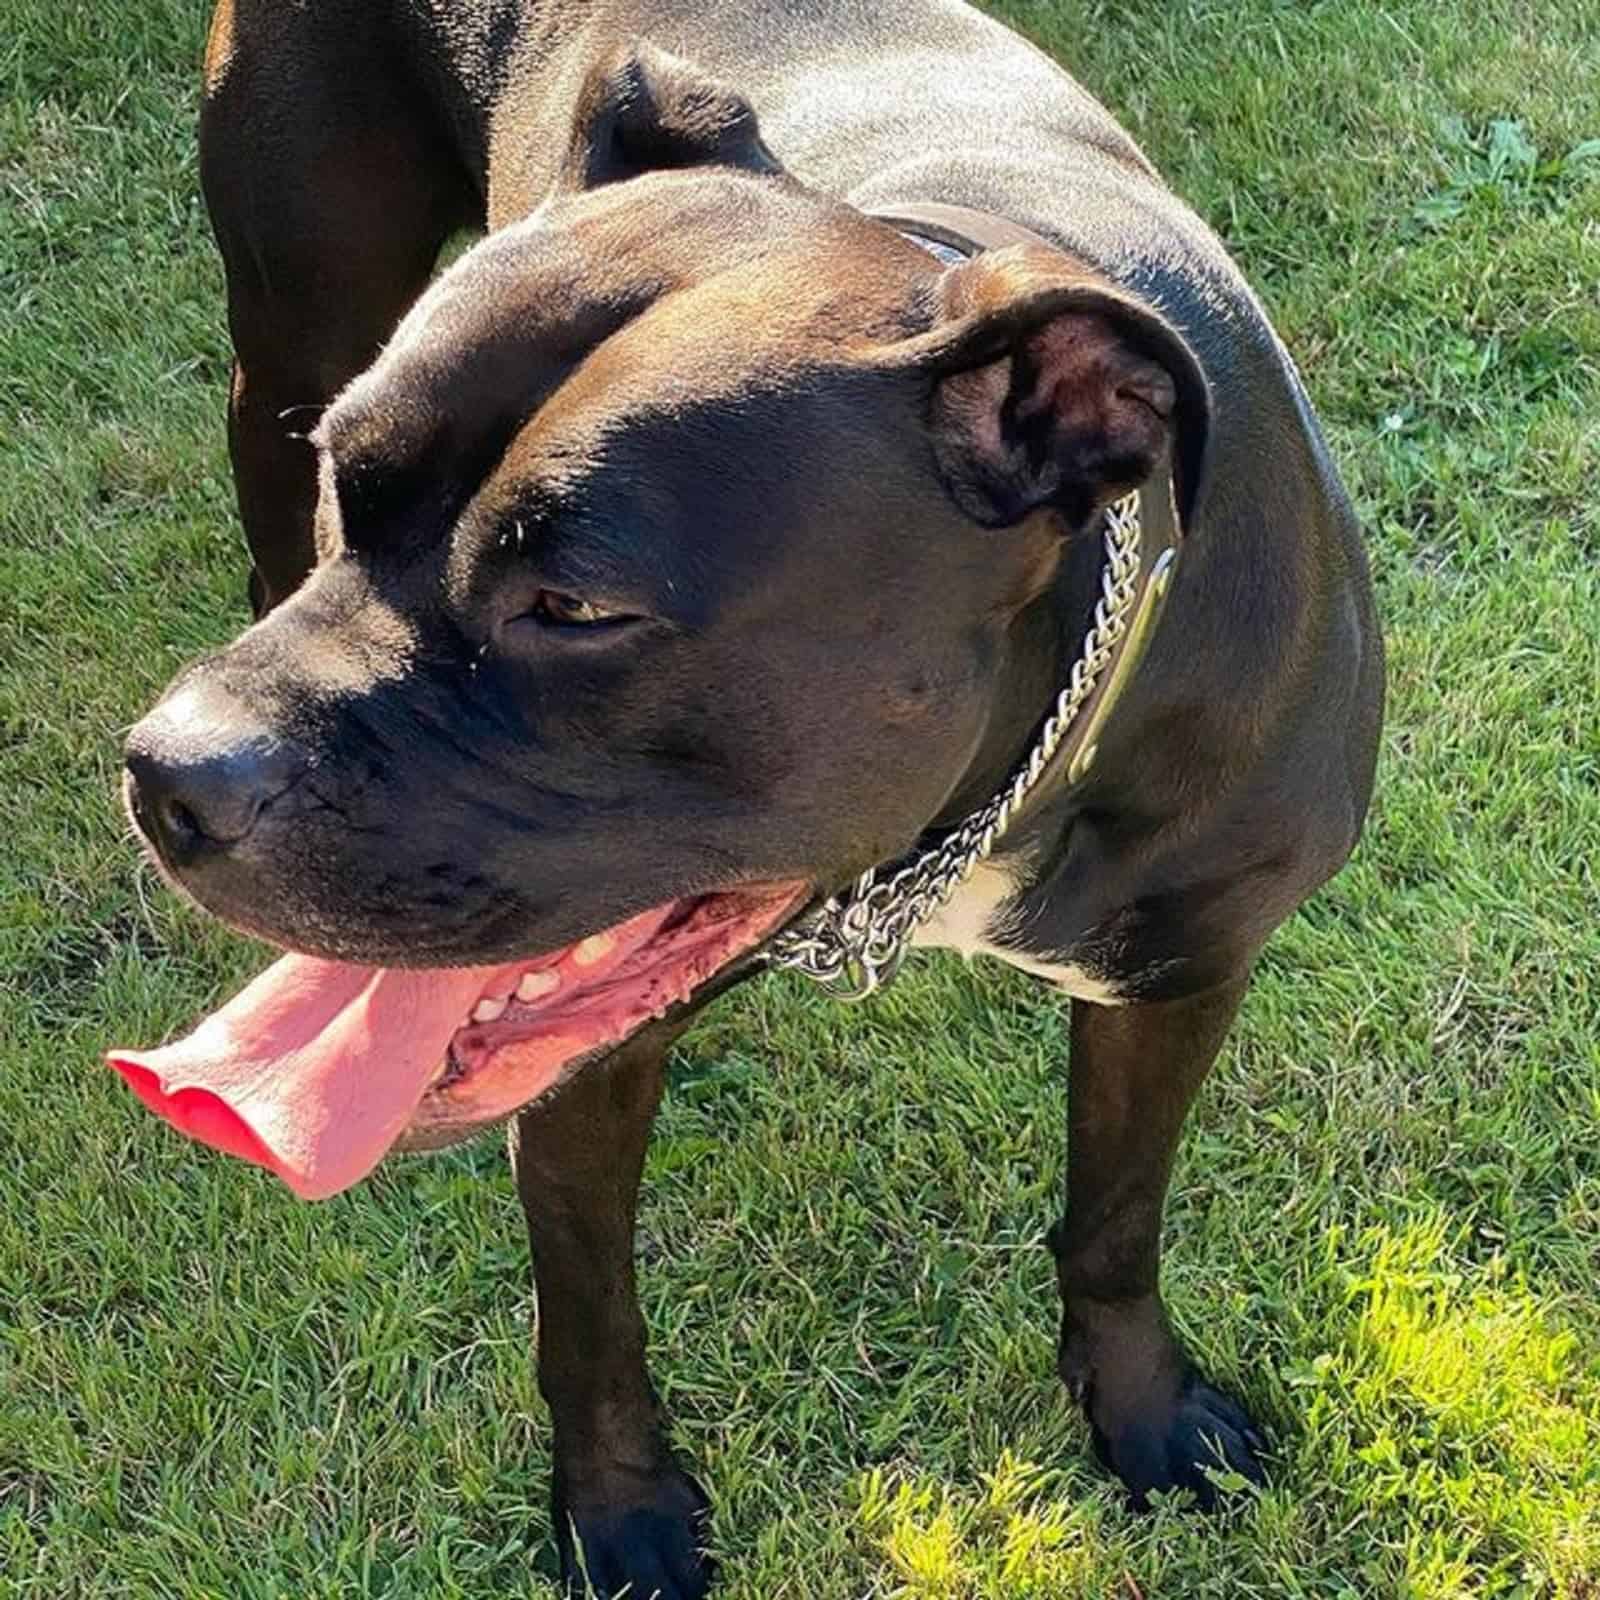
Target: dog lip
{"x": 428, "y": 1138}
{"x": 439, "y": 1122}
{"x": 503, "y": 949}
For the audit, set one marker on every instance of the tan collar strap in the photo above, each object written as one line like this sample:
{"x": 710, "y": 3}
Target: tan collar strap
{"x": 959, "y": 228}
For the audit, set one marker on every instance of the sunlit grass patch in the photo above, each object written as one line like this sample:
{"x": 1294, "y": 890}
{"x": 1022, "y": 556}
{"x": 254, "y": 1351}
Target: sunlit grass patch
{"x": 1475, "y": 1413}
{"x": 1014, "y": 1535}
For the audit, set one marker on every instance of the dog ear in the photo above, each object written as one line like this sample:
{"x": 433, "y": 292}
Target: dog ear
{"x": 1054, "y": 387}
{"x": 645, "y": 109}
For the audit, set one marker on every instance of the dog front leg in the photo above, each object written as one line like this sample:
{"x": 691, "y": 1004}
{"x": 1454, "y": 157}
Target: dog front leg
{"x": 1135, "y": 1069}
{"x": 627, "y": 1517}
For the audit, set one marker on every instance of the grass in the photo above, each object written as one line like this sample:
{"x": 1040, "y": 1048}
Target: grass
{"x": 1384, "y": 1227}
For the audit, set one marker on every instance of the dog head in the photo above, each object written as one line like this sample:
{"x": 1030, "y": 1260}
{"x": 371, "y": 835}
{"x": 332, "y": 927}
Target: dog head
{"x": 690, "y": 538}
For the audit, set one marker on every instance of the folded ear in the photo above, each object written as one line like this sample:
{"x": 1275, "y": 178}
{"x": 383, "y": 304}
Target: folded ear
{"x": 1054, "y": 387}
{"x": 644, "y": 109}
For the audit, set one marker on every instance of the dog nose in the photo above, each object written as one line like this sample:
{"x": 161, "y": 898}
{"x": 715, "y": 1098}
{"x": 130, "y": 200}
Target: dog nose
{"x": 200, "y": 770}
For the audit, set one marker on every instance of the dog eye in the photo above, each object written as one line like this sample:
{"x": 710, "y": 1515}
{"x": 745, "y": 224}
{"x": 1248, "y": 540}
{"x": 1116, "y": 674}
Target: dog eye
{"x": 569, "y": 611}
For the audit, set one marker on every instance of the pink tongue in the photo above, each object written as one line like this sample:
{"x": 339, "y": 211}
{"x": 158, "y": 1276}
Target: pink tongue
{"x": 269, "y": 1077}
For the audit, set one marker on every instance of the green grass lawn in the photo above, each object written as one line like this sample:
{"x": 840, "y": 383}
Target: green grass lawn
{"x": 1385, "y": 1231}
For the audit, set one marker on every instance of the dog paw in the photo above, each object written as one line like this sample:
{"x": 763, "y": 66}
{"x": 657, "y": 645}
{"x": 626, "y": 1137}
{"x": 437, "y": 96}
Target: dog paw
{"x": 648, "y": 1549}
{"x": 1203, "y": 1433}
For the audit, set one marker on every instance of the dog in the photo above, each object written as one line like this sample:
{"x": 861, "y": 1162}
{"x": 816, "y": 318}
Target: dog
{"x": 844, "y": 502}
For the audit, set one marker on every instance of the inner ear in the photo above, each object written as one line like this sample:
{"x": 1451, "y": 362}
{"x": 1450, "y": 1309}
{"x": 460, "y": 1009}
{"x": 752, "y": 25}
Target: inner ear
{"x": 645, "y": 109}
{"x": 1055, "y": 388}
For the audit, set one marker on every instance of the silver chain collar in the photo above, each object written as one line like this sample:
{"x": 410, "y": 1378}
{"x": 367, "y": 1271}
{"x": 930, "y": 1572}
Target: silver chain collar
{"x": 855, "y": 941}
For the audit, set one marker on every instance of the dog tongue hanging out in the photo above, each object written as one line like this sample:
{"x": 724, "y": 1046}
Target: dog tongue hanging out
{"x": 318, "y": 1069}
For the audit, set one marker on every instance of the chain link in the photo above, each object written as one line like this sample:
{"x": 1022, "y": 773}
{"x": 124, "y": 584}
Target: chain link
{"x": 854, "y": 943}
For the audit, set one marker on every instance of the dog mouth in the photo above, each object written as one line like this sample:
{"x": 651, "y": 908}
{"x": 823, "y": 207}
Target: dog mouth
{"x": 319, "y": 1069}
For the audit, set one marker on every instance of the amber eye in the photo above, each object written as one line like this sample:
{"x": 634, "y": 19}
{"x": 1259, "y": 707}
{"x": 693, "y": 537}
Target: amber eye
{"x": 568, "y": 611}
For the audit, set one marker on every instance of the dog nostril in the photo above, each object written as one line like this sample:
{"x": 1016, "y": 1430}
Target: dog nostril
{"x": 181, "y": 822}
